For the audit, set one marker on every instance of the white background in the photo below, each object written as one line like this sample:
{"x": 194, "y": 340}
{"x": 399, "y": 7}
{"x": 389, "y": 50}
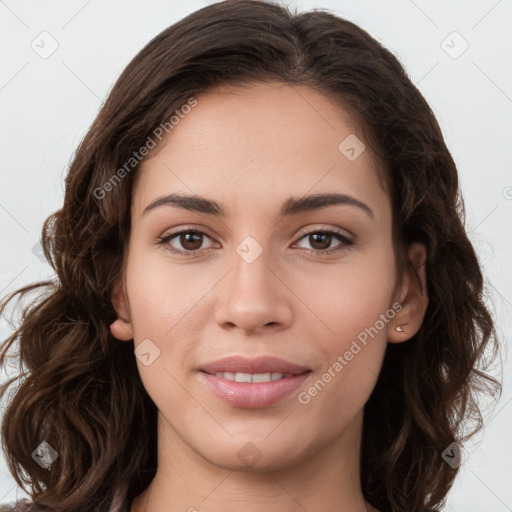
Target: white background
{"x": 48, "y": 104}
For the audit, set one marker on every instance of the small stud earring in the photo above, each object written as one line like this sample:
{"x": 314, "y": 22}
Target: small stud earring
{"x": 399, "y": 328}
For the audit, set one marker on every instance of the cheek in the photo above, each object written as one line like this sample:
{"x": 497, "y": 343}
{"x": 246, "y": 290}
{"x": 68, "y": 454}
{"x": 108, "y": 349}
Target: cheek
{"x": 351, "y": 298}
{"x": 161, "y": 295}
{"x": 354, "y": 307}
{"x": 166, "y": 315}
{"x": 343, "y": 385}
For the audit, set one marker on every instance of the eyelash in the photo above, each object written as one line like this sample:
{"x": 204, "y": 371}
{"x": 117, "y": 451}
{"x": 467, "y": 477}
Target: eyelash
{"x": 347, "y": 242}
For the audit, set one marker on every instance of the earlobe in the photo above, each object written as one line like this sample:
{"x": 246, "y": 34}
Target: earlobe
{"x": 122, "y": 327}
{"x": 121, "y": 330}
{"x": 415, "y": 301}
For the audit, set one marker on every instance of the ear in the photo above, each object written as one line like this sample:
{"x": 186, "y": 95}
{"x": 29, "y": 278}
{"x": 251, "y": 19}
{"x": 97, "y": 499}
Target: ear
{"x": 414, "y": 303}
{"x": 122, "y": 327}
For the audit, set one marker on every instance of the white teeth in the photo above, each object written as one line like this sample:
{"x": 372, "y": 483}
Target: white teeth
{"x": 253, "y": 377}
{"x": 243, "y": 377}
{"x": 261, "y": 377}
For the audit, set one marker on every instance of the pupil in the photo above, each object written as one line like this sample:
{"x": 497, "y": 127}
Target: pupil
{"x": 187, "y": 237}
{"x": 325, "y": 237}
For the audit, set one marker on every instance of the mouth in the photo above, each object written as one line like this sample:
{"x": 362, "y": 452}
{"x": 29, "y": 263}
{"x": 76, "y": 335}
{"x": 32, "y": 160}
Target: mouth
{"x": 253, "y": 383}
{"x": 253, "y": 377}
{"x": 262, "y": 365}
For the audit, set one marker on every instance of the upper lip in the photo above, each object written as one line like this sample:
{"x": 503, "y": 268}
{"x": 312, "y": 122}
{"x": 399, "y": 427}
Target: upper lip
{"x": 262, "y": 364}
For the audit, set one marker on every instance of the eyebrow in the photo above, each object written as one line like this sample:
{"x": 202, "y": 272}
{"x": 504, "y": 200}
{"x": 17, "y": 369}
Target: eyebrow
{"x": 291, "y": 206}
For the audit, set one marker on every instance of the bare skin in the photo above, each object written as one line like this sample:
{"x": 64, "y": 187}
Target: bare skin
{"x": 251, "y": 150}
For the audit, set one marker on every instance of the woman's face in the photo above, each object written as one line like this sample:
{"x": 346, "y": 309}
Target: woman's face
{"x": 249, "y": 285}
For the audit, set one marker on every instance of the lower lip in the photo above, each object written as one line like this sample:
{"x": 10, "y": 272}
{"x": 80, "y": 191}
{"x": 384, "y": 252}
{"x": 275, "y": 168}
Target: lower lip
{"x": 253, "y": 395}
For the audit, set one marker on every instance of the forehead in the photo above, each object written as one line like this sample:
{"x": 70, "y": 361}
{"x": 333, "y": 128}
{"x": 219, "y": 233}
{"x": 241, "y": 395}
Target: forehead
{"x": 253, "y": 146}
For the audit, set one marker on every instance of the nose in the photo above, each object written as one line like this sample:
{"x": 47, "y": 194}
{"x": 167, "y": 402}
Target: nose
{"x": 254, "y": 296}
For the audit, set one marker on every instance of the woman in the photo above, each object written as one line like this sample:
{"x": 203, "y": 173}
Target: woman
{"x": 265, "y": 295}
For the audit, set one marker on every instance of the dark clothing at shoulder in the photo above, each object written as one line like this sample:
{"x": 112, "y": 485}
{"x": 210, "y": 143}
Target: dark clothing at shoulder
{"x": 23, "y": 506}
{"x": 19, "y": 506}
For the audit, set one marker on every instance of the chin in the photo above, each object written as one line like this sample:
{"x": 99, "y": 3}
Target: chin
{"x": 256, "y": 455}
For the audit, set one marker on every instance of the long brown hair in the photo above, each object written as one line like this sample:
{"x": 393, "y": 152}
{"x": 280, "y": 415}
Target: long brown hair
{"x": 82, "y": 393}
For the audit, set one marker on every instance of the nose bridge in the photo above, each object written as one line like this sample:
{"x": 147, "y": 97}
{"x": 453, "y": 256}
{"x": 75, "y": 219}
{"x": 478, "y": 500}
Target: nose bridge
{"x": 253, "y": 296}
{"x": 251, "y": 262}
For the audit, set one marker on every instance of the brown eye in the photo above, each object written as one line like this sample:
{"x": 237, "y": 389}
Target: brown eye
{"x": 320, "y": 241}
{"x": 187, "y": 242}
{"x": 191, "y": 240}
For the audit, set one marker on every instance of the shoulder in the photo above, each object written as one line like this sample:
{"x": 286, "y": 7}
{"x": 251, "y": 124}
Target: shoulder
{"x": 19, "y": 506}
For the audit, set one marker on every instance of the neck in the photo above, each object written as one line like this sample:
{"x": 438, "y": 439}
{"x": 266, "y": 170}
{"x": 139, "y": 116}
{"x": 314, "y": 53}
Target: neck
{"x": 326, "y": 480}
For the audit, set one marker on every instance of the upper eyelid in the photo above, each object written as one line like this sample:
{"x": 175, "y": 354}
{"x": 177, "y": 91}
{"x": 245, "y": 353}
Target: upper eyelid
{"x": 302, "y": 232}
{"x": 339, "y": 231}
